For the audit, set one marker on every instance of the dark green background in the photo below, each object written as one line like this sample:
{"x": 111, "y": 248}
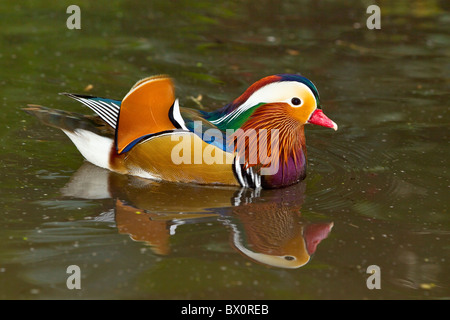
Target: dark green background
{"x": 382, "y": 178}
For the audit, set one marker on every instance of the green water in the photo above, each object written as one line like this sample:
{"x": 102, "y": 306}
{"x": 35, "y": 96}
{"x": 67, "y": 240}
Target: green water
{"x": 380, "y": 182}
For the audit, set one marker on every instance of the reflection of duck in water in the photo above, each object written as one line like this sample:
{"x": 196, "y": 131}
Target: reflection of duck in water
{"x": 265, "y": 225}
{"x": 270, "y": 230}
{"x": 275, "y": 235}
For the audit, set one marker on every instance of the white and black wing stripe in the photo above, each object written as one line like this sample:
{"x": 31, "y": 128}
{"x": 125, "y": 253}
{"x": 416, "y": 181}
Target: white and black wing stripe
{"x": 247, "y": 177}
{"x": 106, "y": 109}
{"x": 175, "y": 116}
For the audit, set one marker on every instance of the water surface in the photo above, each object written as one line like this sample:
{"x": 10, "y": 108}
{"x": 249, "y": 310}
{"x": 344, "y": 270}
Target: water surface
{"x": 376, "y": 191}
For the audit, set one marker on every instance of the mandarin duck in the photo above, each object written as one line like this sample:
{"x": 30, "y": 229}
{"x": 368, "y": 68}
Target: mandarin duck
{"x": 256, "y": 141}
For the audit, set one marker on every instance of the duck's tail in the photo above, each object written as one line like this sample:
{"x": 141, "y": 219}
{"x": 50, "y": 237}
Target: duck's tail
{"x": 90, "y": 134}
{"x": 69, "y": 121}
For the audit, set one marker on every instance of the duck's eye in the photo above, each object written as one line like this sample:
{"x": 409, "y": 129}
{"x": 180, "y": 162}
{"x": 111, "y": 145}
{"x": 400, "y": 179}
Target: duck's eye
{"x": 289, "y": 258}
{"x": 296, "y": 101}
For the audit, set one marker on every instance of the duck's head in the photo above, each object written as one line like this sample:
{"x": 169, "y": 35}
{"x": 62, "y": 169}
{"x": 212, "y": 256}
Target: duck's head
{"x": 277, "y": 106}
{"x": 286, "y": 97}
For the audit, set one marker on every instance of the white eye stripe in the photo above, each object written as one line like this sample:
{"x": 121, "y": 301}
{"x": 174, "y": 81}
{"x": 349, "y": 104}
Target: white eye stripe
{"x": 272, "y": 92}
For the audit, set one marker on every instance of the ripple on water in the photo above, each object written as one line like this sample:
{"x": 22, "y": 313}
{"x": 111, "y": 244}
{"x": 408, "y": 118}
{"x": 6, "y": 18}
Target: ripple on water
{"x": 348, "y": 174}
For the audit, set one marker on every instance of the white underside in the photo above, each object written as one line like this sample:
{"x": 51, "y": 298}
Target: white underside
{"x": 94, "y": 148}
